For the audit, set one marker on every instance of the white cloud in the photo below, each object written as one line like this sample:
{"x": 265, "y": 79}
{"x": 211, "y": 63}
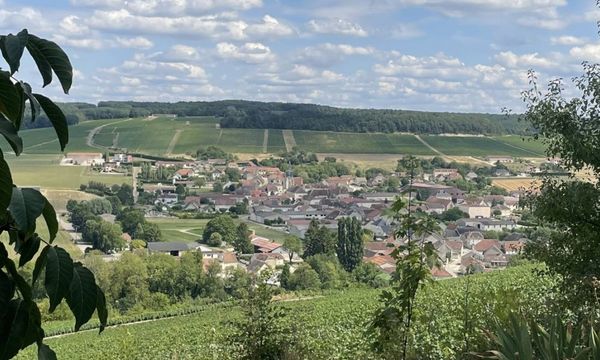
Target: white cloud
{"x": 324, "y": 55}
{"x": 72, "y": 25}
{"x": 137, "y": 42}
{"x": 27, "y": 17}
{"x": 548, "y": 23}
{"x": 589, "y": 52}
{"x": 221, "y": 26}
{"x": 567, "y": 40}
{"x": 249, "y": 52}
{"x": 270, "y": 27}
{"x": 84, "y": 43}
{"x": 524, "y": 61}
{"x": 336, "y": 26}
{"x": 170, "y": 8}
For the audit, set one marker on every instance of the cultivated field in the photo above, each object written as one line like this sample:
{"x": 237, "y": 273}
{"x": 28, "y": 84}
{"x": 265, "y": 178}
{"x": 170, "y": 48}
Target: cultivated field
{"x": 515, "y": 184}
{"x": 481, "y": 146}
{"x": 43, "y": 170}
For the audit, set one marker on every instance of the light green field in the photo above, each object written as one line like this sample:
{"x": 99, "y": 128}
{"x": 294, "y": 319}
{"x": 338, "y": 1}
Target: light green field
{"x": 44, "y": 171}
{"x": 476, "y": 146}
{"x": 534, "y": 147}
{"x": 359, "y": 143}
{"x": 275, "y": 144}
{"x": 191, "y": 229}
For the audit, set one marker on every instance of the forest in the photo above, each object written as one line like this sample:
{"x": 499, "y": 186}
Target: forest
{"x": 272, "y": 115}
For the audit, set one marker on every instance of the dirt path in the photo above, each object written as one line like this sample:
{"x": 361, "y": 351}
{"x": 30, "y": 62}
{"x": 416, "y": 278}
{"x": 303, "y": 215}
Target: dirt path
{"x": 173, "y": 142}
{"x": 432, "y": 148}
{"x": 265, "y": 140}
{"x": 40, "y": 144}
{"x": 289, "y": 139}
{"x": 89, "y": 141}
{"x": 517, "y": 147}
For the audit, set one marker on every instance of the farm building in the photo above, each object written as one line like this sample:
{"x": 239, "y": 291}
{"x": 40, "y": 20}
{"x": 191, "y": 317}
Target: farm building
{"x": 85, "y": 159}
{"x": 172, "y": 248}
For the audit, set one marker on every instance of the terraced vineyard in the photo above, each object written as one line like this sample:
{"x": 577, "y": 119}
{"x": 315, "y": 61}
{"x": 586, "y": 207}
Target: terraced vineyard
{"x": 332, "y": 326}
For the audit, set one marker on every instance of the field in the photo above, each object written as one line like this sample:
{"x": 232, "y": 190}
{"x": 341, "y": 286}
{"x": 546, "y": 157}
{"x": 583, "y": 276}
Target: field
{"x": 515, "y": 184}
{"x": 43, "y": 170}
{"x": 329, "y": 327}
{"x": 166, "y": 136}
{"x": 481, "y": 146}
{"x": 191, "y": 229}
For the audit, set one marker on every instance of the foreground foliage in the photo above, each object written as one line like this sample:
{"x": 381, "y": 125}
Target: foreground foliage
{"x": 332, "y": 326}
{"x": 20, "y": 316}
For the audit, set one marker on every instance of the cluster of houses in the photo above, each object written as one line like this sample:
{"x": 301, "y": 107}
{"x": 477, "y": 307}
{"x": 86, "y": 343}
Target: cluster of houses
{"x": 286, "y": 203}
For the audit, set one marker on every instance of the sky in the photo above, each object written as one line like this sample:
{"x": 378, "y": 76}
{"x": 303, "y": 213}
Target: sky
{"x": 437, "y": 55}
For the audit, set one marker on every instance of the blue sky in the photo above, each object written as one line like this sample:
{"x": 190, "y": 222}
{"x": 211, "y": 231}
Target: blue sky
{"x": 442, "y": 55}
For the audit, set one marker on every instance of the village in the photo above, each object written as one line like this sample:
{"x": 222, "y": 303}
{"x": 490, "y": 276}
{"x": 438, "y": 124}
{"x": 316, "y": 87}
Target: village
{"x": 481, "y": 230}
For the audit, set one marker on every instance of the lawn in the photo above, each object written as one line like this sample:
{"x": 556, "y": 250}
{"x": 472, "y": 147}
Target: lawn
{"x": 184, "y": 229}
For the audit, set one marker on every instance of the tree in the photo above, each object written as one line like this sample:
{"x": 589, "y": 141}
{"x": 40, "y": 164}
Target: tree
{"x": 21, "y": 207}
{"x": 215, "y": 239}
{"x": 103, "y": 235}
{"x": 150, "y": 232}
{"x": 349, "y": 243}
{"x": 304, "y": 278}
{"x": 218, "y": 187}
{"x": 233, "y": 174}
{"x": 293, "y": 245}
{"x": 568, "y": 125}
{"x": 242, "y": 244}
{"x": 130, "y": 218}
{"x": 260, "y": 333}
{"x": 318, "y": 240}
{"x": 369, "y": 274}
{"x": 453, "y": 214}
{"x": 224, "y": 225}
{"x": 125, "y": 194}
{"x": 331, "y": 273}
{"x": 284, "y": 278}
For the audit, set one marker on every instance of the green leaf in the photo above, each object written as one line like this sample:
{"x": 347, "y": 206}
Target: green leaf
{"x": 82, "y": 297}
{"x": 48, "y": 54}
{"x": 7, "y": 291}
{"x": 35, "y": 105}
{"x": 50, "y": 218}
{"x": 26, "y": 205}
{"x": 39, "y": 264}
{"x": 59, "y": 275}
{"x": 22, "y": 285}
{"x": 34, "y": 331}
{"x": 18, "y": 321}
{"x": 10, "y": 99}
{"x": 101, "y": 307}
{"x": 28, "y": 249}
{"x": 12, "y": 49}
{"x": 56, "y": 117}
{"x": 45, "y": 353}
{"x": 8, "y": 130}
{"x": 6, "y": 183}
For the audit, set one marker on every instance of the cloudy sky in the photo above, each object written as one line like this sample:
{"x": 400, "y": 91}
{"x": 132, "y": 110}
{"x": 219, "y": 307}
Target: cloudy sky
{"x": 446, "y": 55}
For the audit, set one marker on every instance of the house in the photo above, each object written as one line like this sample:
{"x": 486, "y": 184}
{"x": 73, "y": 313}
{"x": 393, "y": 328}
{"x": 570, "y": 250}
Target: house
{"x": 166, "y": 199}
{"x": 456, "y": 248}
{"x": 513, "y": 247}
{"x": 501, "y": 210}
{"x": 485, "y": 224}
{"x": 384, "y": 262}
{"x": 260, "y": 262}
{"x": 501, "y": 173}
{"x": 439, "y": 273}
{"x": 488, "y": 247}
{"x": 121, "y": 158}
{"x": 264, "y": 245}
{"x": 172, "y": 248}
{"x": 481, "y": 210}
{"x": 84, "y": 159}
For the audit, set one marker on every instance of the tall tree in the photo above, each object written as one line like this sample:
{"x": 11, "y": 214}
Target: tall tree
{"x": 318, "y": 240}
{"x": 242, "y": 244}
{"x": 349, "y": 243}
{"x": 293, "y": 245}
{"x": 222, "y": 224}
{"x": 569, "y": 127}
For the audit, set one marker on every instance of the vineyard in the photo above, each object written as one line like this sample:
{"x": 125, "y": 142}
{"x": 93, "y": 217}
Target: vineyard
{"x": 328, "y": 327}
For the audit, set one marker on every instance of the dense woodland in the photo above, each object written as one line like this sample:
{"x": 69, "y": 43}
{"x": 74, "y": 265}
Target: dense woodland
{"x": 253, "y": 114}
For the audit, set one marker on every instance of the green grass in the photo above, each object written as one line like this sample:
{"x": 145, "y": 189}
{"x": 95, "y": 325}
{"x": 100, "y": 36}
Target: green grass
{"x": 242, "y": 140}
{"x": 275, "y": 144}
{"x": 534, "y": 147}
{"x": 474, "y": 146}
{"x": 43, "y": 170}
{"x": 359, "y": 143}
{"x": 172, "y": 229}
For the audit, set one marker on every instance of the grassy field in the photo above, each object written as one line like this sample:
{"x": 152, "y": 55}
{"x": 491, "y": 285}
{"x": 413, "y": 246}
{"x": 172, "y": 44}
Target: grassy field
{"x": 516, "y": 184}
{"x": 477, "y": 146}
{"x": 191, "y": 229}
{"x": 43, "y": 170}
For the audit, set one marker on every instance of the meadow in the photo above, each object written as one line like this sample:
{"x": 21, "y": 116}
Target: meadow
{"x": 328, "y": 327}
{"x": 191, "y": 229}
